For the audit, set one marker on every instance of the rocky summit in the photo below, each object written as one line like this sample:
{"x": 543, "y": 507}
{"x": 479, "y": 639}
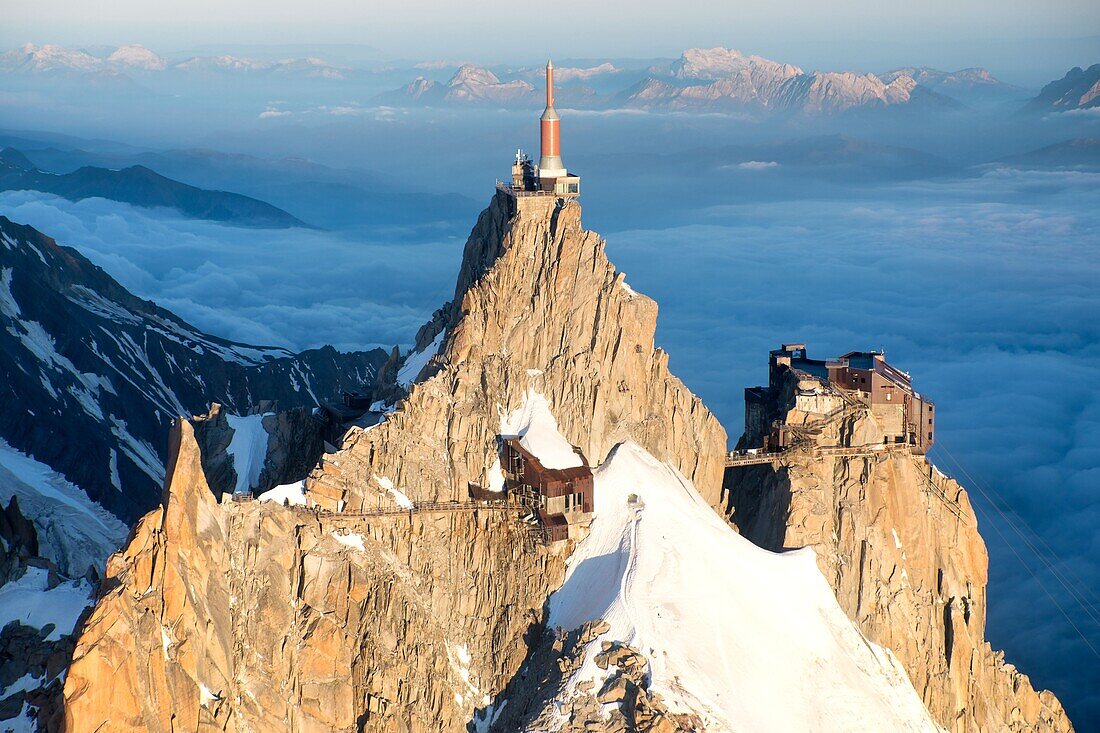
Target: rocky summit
{"x": 398, "y": 588}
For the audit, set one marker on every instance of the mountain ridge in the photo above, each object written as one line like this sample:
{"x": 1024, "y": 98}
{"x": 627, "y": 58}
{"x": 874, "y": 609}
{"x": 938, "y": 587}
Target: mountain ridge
{"x": 142, "y": 186}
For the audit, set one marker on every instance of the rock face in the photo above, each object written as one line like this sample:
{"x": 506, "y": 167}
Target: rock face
{"x": 1078, "y": 89}
{"x": 251, "y": 616}
{"x": 537, "y": 307}
{"x": 295, "y": 442}
{"x": 899, "y": 543}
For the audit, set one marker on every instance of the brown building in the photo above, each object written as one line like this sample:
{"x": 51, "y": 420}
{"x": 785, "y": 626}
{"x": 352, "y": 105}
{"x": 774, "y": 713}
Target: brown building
{"x": 561, "y": 498}
{"x": 905, "y": 415}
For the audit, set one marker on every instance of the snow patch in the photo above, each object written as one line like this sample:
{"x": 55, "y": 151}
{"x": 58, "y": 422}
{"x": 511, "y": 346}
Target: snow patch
{"x": 417, "y": 360}
{"x": 206, "y": 696}
{"x": 402, "y": 500}
{"x": 745, "y": 638}
{"x": 30, "y": 601}
{"x": 248, "y": 449}
{"x": 293, "y": 494}
{"x": 496, "y": 477}
{"x": 141, "y": 453}
{"x": 534, "y": 424}
{"x": 350, "y": 539}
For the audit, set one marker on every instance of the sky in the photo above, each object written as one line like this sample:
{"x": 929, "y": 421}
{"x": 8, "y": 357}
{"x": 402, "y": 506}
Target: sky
{"x": 839, "y": 34}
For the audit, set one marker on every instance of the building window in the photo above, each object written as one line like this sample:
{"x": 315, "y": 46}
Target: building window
{"x": 929, "y": 421}
{"x": 930, "y": 436}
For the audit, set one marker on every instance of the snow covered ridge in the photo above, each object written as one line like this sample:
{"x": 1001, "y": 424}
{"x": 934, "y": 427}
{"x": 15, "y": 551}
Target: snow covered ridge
{"x": 101, "y": 374}
{"x": 747, "y": 639}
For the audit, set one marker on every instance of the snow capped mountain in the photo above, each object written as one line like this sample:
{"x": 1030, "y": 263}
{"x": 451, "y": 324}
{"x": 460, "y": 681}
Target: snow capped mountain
{"x": 721, "y": 78}
{"x": 719, "y": 63}
{"x": 973, "y": 85}
{"x": 470, "y": 84}
{"x": 702, "y": 79}
{"x": 310, "y": 67}
{"x": 477, "y": 84}
{"x": 1078, "y": 89}
{"x": 136, "y": 56}
{"x": 31, "y": 59}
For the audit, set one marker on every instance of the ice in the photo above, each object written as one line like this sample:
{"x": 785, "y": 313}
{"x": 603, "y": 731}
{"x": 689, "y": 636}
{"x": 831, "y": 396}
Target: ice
{"x": 248, "y": 449}
{"x": 416, "y": 361}
{"x": 30, "y": 601}
{"x": 535, "y": 426}
{"x": 748, "y": 639}
{"x": 293, "y": 494}
{"x": 73, "y": 531}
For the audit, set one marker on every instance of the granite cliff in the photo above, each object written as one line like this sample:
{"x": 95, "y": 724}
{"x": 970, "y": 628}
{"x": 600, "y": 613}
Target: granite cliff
{"x": 376, "y": 598}
{"x": 255, "y": 616}
{"x": 898, "y": 542}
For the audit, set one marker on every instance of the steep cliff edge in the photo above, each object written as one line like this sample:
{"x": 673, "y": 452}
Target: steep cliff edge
{"x": 254, "y": 616}
{"x": 898, "y": 541}
{"x": 537, "y": 306}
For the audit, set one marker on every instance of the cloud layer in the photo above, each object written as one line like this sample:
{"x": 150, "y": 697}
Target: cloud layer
{"x": 985, "y": 289}
{"x": 294, "y": 287}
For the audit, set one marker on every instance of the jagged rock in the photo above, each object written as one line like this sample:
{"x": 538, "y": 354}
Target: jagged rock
{"x": 616, "y": 689}
{"x": 252, "y": 616}
{"x": 590, "y": 352}
{"x": 899, "y": 543}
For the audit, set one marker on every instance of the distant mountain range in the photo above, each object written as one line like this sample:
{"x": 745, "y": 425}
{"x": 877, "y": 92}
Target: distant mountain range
{"x": 333, "y": 198}
{"x": 1076, "y": 153}
{"x": 137, "y": 58}
{"x": 141, "y": 186}
{"x": 966, "y": 85}
{"x": 715, "y": 79}
{"x": 701, "y": 79}
{"x": 1078, "y": 89}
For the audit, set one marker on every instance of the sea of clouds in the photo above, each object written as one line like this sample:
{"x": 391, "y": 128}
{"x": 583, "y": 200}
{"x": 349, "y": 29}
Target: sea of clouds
{"x": 983, "y": 286}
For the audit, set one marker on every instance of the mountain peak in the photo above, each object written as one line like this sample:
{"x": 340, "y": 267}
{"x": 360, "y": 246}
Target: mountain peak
{"x": 15, "y": 158}
{"x": 137, "y": 57}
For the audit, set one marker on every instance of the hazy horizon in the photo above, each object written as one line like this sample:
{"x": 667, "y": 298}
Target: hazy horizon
{"x": 1028, "y": 44}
